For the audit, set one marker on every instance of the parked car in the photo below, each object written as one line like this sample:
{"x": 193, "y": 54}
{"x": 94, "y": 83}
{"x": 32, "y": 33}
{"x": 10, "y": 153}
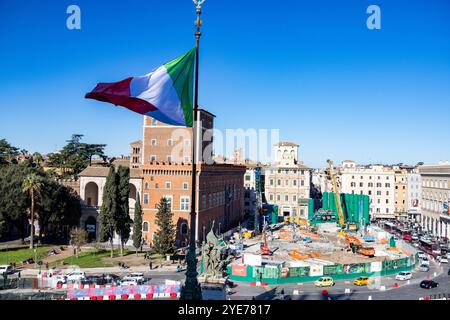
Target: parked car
{"x": 111, "y": 279}
{"x": 361, "y": 281}
{"x": 324, "y": 282}
{"x": 416, "y": 244}
{"x": 138, "y": 276}
{"x": 130, "y": 282}
{"x": 429, "y": 284}
{"x": 76, "y": 276}
{"x": 59, "y": 279}
{"x": 443, "y": 259}
{"x": 93, "y": 280}
{"x": 404, "y": 275}
{"x": 424, "y": 268}
{"x": 6, "y": 269}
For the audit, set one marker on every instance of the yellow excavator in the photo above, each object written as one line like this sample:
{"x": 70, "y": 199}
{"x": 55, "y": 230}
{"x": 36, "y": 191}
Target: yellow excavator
{"x": 337, "y": 201}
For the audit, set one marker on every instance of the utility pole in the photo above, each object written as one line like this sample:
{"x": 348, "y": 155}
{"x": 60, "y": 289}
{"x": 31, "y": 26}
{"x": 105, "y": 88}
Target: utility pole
{"x": 191, "y": 289}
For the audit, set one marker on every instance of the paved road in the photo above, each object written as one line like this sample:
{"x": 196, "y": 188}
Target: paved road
{"x": 307, "y": 291}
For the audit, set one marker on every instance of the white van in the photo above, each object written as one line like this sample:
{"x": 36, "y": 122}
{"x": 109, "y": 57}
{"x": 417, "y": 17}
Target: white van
{"x": 6, "y": 269}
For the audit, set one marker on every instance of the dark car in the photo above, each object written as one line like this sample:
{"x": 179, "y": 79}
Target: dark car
{"x": 111, "y": 279}
{"x": 428, "y": 284}
{"x": 448, "y": 272}
{"x": 93, "y": 280}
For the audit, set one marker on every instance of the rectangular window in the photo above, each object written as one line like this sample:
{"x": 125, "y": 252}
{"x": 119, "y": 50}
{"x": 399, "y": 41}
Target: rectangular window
{"x": 278, "y": 197}
{"x": 169, "y": 142}
{"x": 279, "y": 182}
{"x": 184, "y": 203}
{"x": 168, "y": 185}
{"x": 169, "y": 158}
{"x": 294, "y": 183}
{"x": 185, "y": 185}
{"x": 146, "y": 198}
{"x": 286, "y": 198}
{"x": 302, "y": 182}
{"x": 271, "y": 197}
{"x": 170, "y": 199}
{"x": 153, "y": 142}
{"x": 152, "y": 158}
{"x": 271, "y": 182}
{"x": 203, "y": 201}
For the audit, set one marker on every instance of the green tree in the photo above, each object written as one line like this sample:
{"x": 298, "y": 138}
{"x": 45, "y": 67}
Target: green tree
{"x": 32, "y": 185}
{"x": 78, "y": 238}
{"x": 75, "y": 156}
{"x": 164, "y": 242}
{"x": 123, "y": 220}
{"x": 14, "y": 203}
{"x": 137, "y": 226}
{"x": 7, "y": 152}
{"x": 108, "y": 211}
{"x": 58, "y": 206}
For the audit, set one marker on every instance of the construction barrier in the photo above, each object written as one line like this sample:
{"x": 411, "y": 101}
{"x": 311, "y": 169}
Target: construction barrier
{"x": 126, "y": 293}
{"x": 277, "y": 274}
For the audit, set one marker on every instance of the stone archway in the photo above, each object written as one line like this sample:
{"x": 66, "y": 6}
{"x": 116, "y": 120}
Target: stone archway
{"x": 132, "y": 196}
{"x": 91, "y": 194}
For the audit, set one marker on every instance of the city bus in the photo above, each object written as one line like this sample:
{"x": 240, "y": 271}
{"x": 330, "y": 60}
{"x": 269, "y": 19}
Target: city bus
{"x": 430, "y": 247}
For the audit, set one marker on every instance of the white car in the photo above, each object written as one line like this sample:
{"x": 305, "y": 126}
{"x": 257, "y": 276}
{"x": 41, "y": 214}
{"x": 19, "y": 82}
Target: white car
{"x": 404, "y": 275}
{"x": 130, "y": 282}
{"x": 443, "y": 259}
{"x": 422, "y": 254}
{"x": 6, "y": 269}
{"x": 425, "y": 260}
{"x": 138, "y": 276}
{"x": 76, "y": 276}
{"x": 59, "y": 279}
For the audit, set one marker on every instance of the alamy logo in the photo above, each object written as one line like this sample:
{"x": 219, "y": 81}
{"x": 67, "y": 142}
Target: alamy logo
{"x": 73, "y": 22}
{"x": 374, "y": 20}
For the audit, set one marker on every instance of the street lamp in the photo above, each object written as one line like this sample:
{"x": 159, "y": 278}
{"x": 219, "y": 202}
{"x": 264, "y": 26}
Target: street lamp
{"x": 191, "y": 289}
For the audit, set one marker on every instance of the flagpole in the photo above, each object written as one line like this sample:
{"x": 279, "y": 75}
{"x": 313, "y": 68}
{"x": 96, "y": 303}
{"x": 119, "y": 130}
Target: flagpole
{"x": 191, "y": 289}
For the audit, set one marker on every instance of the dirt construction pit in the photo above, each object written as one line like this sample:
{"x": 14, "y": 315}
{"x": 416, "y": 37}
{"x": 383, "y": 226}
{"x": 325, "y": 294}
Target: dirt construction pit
{"x": 305, "y": 246}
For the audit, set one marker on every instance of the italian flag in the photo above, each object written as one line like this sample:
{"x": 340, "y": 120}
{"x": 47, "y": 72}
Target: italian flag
{"x": 164, "y": 94}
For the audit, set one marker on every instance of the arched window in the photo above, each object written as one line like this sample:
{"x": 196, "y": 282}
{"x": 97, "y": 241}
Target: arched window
{"x": 184, "y": 229}
{"x": 145, "y": 226}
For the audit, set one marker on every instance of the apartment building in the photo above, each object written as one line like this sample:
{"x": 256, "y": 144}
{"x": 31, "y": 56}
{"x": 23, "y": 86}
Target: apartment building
{"x": 414, "y": 190}
{"x": 287, "y": 182}
{"x": 401, "y": 192}
{"x": 435, "y": 198}
{"x": 376, "y": 181}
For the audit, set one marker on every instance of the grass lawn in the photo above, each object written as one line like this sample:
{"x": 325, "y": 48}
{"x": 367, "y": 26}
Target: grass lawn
{"x": 19, "y": 254}
{"x": 93, "y": 259}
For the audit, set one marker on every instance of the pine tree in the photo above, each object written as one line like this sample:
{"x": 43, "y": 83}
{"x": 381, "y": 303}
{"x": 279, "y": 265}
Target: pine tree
{"x": 164, "y": 242}
{"x": 137, "y": 227}
{"x": 108, "y": 212}
{"x": 123, "y": 220}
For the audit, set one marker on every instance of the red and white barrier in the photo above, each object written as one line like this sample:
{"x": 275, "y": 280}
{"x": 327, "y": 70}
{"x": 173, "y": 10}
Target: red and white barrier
{"x": 132, "y": 296}
{"x": 258, "y": 284}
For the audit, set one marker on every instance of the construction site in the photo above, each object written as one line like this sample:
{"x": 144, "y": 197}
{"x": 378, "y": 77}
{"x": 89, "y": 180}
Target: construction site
{"x": 336, "y": 240}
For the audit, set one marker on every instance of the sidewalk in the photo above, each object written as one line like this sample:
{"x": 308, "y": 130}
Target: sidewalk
{"x": 143, "y": 268}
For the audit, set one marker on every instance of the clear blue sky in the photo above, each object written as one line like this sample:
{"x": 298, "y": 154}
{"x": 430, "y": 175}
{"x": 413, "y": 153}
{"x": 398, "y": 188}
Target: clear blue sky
{"x": 310, "y": 68}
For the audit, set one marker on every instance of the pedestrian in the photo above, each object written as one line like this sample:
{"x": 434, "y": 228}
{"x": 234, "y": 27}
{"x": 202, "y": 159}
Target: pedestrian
{"x": 150, "y": 265}
{"x": 46, "y": 265}
{"x": 19, "y": 275}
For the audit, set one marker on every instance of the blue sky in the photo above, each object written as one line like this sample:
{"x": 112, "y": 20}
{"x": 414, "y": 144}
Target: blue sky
{"x": 309, "y": 68}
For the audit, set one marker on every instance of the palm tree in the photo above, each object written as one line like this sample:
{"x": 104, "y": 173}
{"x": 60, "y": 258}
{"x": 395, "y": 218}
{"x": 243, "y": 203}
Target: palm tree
{"x": 32, "y": 185}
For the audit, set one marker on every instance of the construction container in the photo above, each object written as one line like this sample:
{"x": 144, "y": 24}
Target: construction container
{"x": 325, "y": 201}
